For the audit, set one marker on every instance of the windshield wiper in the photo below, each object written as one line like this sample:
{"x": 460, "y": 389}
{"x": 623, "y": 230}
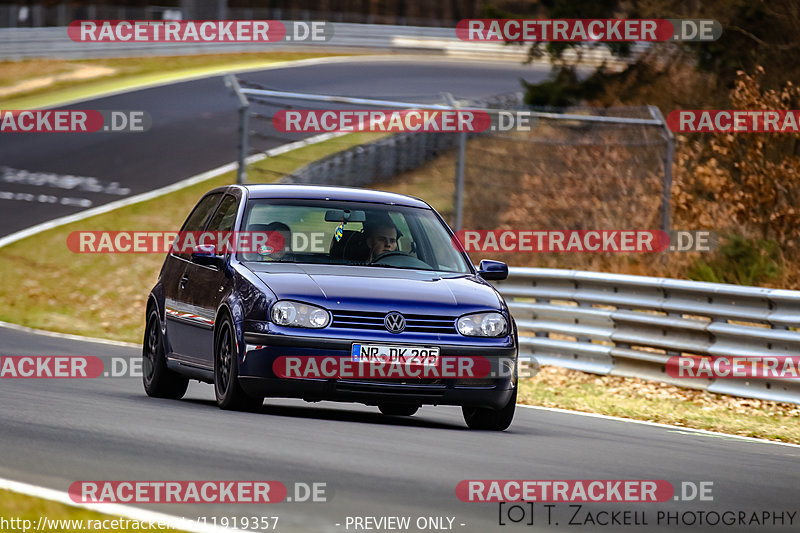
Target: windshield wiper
{"x": 399, "y": 267}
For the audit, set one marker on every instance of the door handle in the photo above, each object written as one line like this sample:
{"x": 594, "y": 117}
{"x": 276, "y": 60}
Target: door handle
{"x": 183, "y": 281}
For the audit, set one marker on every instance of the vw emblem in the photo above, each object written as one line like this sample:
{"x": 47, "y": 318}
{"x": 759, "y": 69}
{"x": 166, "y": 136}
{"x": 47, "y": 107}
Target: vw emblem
{"x": 394, "y": 322}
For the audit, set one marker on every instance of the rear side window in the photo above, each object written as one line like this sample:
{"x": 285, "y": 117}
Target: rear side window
{"x": 225, "y": 217}
{"x": 197, "y": 219}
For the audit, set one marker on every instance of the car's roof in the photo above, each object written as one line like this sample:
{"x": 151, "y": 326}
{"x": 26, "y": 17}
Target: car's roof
{"x": 318, "y": 192}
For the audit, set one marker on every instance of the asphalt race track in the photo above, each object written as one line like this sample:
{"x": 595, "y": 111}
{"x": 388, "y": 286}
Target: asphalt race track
{"x": 54, "y": 432}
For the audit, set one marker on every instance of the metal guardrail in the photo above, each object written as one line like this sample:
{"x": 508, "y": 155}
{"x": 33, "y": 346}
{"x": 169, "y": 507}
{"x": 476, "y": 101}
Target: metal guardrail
{"x": 630, "y": 325}
{"x": 21, "y": 43}
{"x": 53, "y": 42}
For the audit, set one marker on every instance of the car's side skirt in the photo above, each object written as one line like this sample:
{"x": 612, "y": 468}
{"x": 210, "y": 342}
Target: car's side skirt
{"x": 190, "y": 369}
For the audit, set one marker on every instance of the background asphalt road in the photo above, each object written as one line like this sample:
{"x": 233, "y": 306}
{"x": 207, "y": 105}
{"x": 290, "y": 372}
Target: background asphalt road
{"x": 195, "y": 129}
{"x": 55, "y": 432}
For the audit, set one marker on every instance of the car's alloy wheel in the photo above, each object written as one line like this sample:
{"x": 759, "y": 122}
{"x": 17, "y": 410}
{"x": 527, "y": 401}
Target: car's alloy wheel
{"x": 491, "y": 419}
{"x": 398, "y": 409}
{"x": 226, "y": 372}
{"x": 159, "y": 381}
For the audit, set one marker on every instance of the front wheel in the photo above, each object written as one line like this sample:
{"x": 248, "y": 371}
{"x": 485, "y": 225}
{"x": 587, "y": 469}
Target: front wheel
{"x": 229, "y": 393}
{"x": 491, "y": 419}
{"x": 159, "y": 381}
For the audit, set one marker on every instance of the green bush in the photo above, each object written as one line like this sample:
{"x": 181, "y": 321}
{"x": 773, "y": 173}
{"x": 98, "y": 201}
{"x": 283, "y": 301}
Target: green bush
{"x": 741, "y": 261}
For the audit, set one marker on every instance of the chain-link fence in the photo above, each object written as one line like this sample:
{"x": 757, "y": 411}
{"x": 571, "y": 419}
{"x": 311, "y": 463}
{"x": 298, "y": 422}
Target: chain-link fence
{"x": 570, "y": 174}
{"x": 575, "y": 169}
{"x": 567, "y": 174}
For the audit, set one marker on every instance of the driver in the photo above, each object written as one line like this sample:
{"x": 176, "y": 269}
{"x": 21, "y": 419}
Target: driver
{"x": 278, "y": 244}
{"x": 381, "y": 237}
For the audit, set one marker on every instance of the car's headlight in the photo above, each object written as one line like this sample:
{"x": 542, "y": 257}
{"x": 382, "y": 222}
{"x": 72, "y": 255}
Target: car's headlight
{"x": 483, "y": 325}
{"x": 295, "y": 314}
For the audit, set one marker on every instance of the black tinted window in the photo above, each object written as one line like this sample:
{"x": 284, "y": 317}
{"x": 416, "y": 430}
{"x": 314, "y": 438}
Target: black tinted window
{"x": 197, "y": 220}
{"x": 225, "y": 216}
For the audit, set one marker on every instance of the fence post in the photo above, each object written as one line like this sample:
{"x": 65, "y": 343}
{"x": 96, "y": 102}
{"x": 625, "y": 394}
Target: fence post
{"x": 666, "y": 188}
{"x": 462, "y": 149}
{"x": 244, "y": 128}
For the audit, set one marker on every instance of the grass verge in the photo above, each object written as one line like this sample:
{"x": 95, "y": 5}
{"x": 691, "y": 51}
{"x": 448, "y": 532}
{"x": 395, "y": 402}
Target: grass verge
{"x": 21, "y": 508}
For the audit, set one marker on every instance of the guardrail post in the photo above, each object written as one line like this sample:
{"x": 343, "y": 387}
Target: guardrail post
{"x": 244, "y": 128}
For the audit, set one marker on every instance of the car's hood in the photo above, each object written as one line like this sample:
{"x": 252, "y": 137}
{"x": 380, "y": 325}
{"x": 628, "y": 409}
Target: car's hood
{"x": 380, "y": 289}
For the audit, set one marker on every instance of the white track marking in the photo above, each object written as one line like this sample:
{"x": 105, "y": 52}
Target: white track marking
{"x": 68, "y": 336}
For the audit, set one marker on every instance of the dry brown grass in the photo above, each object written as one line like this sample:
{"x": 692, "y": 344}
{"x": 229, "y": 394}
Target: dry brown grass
{"x": 12, "y": 72}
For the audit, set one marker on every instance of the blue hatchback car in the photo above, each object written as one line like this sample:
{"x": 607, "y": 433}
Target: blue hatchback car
{"x": 322, "y": 281}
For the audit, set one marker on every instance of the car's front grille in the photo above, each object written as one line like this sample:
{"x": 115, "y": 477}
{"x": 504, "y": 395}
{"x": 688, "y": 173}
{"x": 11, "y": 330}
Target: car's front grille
{"x": 374, "y": 321}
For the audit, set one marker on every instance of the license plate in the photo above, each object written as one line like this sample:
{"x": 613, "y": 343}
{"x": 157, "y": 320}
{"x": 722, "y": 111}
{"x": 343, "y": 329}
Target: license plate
{"x": 391, "y": 353}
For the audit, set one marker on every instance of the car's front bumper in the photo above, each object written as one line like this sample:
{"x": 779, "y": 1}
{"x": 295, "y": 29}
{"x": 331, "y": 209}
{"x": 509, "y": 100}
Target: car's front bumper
{"x": 258, "y": 378}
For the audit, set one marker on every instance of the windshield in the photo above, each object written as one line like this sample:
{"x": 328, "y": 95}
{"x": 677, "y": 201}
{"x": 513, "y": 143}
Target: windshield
{"x": 351, "y": 233}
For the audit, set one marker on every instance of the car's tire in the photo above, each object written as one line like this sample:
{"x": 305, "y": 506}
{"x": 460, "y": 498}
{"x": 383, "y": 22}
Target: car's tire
{"x": 491, "y": 419}
{"x": 159, "y": 381}
{"x": 229, "y": 393}
{"x": 398, "y": 409}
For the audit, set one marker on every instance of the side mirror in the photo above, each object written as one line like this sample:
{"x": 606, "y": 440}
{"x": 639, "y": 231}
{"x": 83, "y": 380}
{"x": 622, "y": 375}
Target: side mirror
{"x": 206, "y": 254}
{"x": 493, "y": 270}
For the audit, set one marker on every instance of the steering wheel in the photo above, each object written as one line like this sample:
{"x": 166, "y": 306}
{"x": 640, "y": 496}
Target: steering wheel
{"x": 400, "y": 259}
{"x": 388, "y": 254}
